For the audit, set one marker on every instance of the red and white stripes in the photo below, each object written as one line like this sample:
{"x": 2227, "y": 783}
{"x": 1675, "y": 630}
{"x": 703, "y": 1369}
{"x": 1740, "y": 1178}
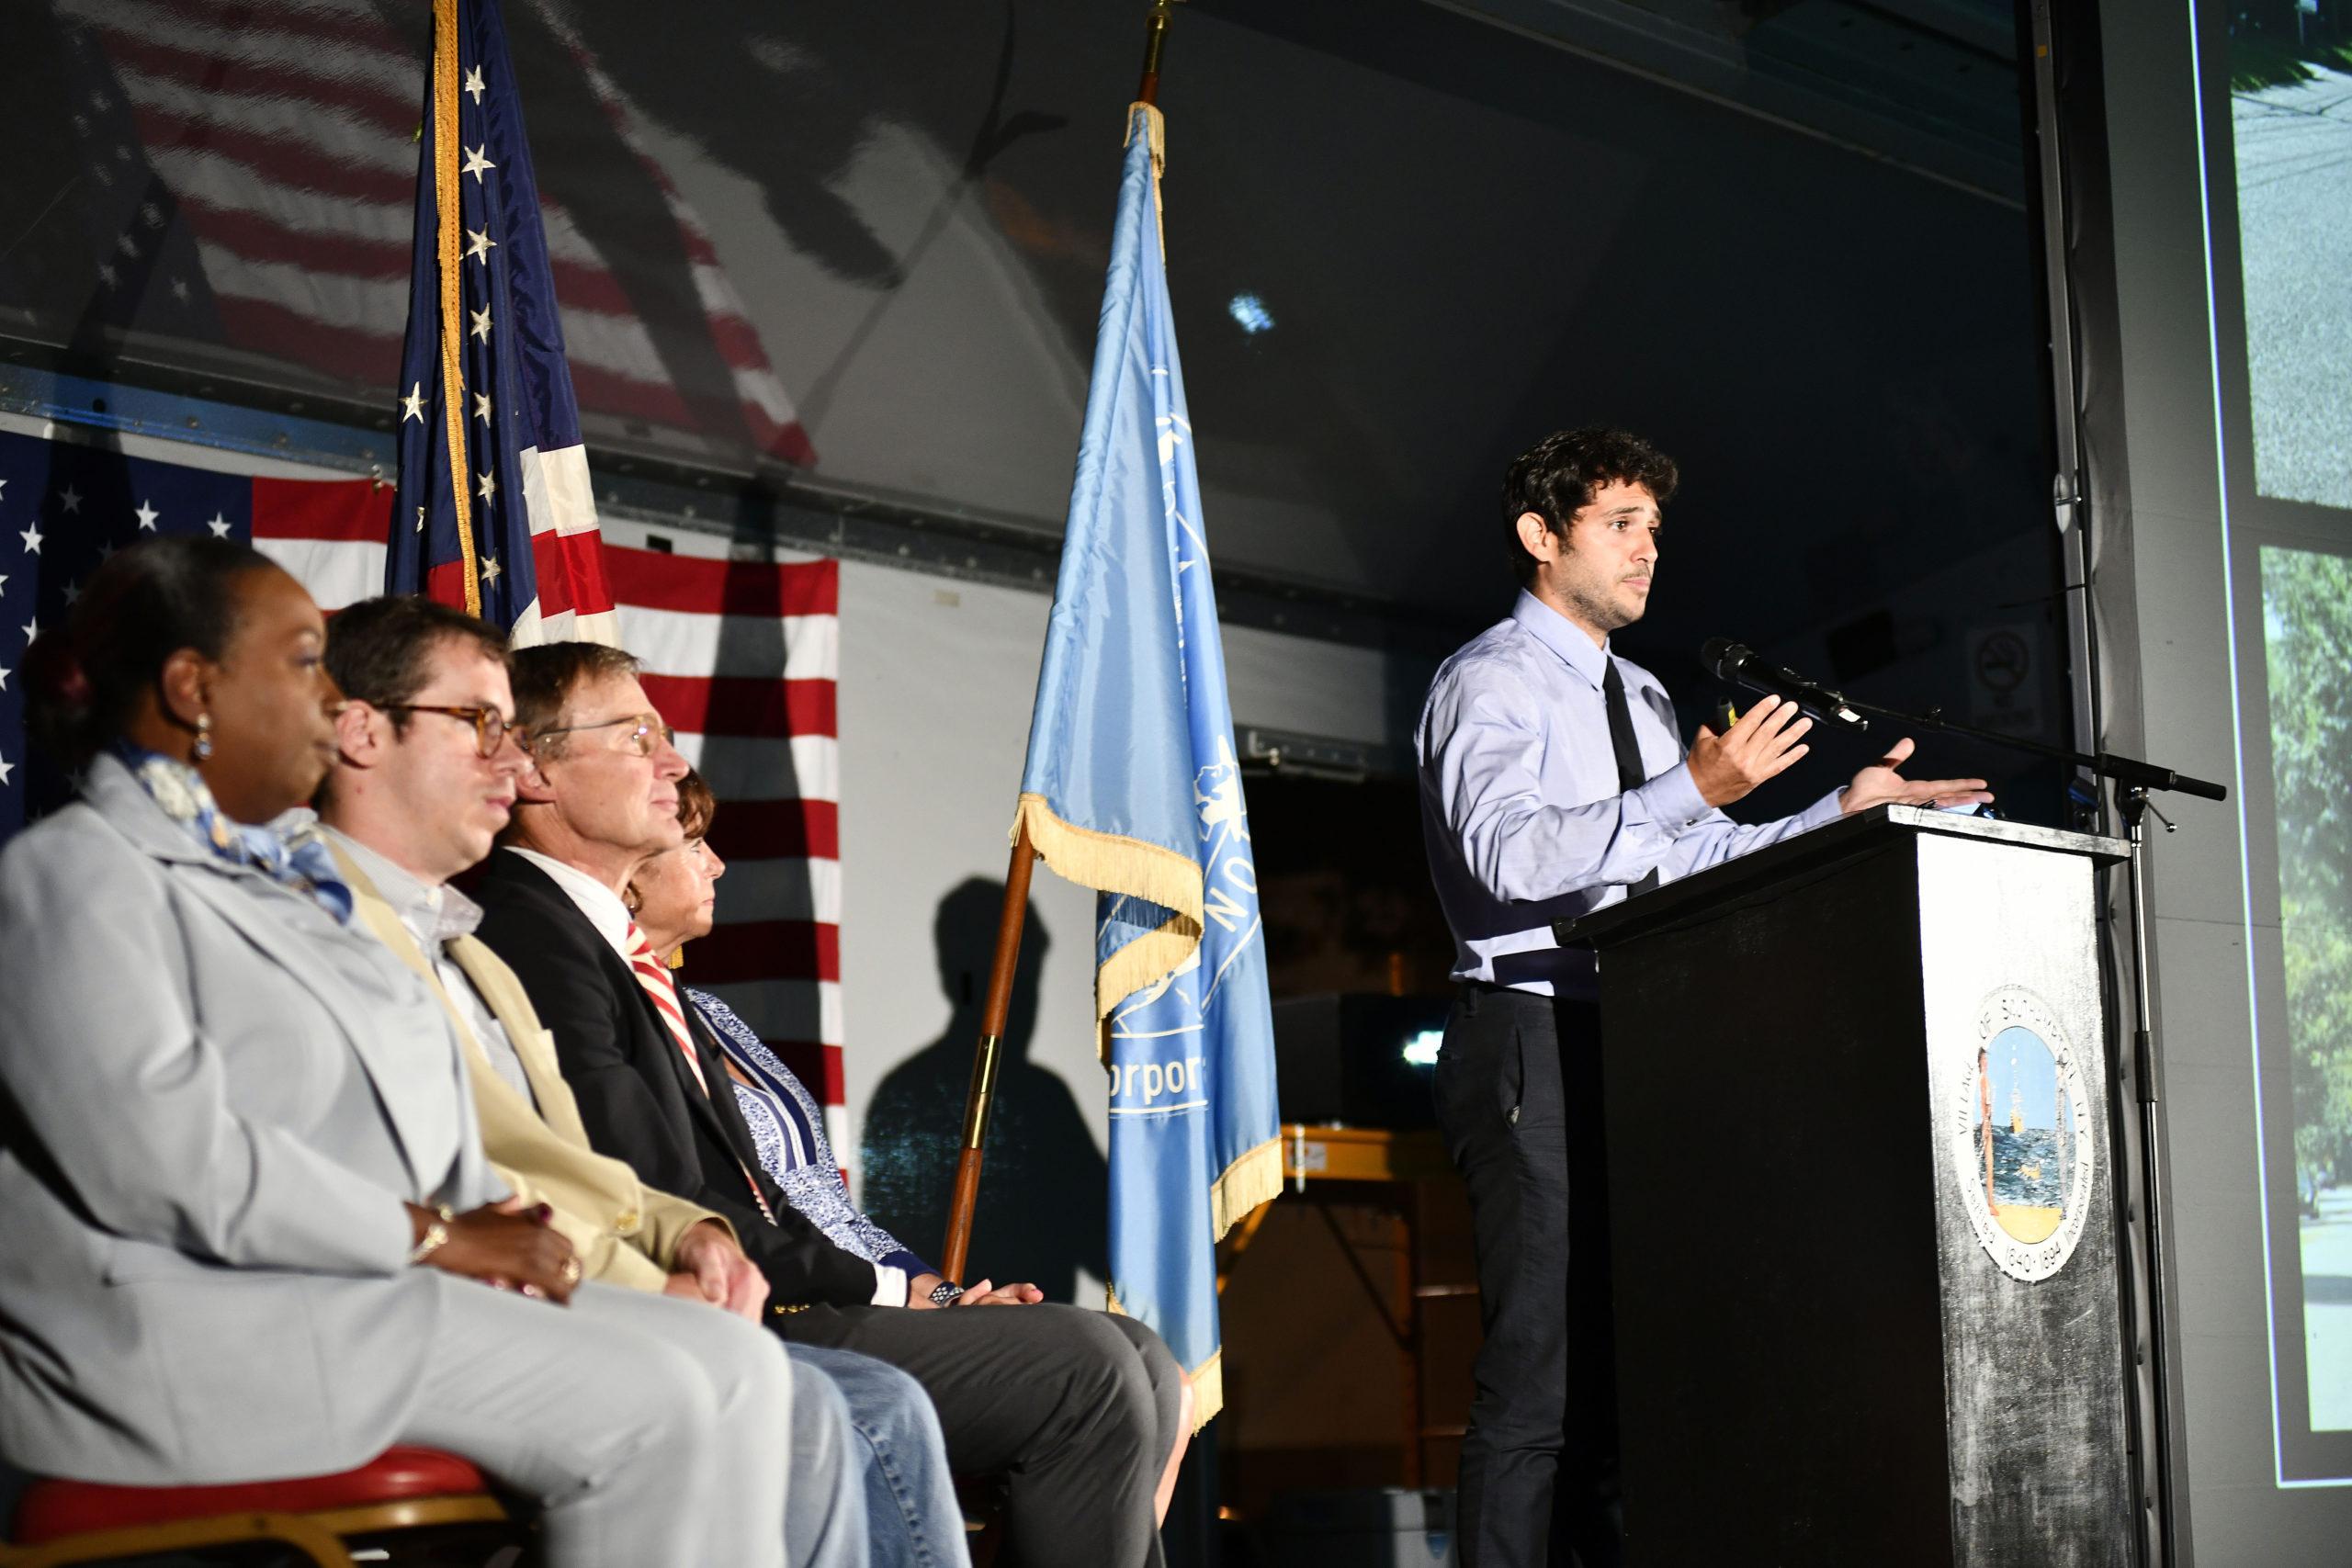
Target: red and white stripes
{"x": 742, "y": 657}
{"x": 285, "y": 134}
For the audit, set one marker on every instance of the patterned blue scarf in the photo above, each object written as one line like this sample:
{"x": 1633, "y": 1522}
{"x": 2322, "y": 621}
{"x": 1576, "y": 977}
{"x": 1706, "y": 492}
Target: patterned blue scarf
{"x": 298, "y": 860}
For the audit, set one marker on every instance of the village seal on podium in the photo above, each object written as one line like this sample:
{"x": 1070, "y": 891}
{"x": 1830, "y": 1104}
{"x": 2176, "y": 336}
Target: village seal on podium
{"x": 2019, "y": 1126}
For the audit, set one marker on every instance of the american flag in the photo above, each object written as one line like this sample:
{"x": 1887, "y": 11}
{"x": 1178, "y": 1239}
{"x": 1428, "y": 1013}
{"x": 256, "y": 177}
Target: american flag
{"x": 492, "y": 464}
{"x": 284, "y": 138}
{"x": 66, "y": 507}
{"x": 741, "y": 657}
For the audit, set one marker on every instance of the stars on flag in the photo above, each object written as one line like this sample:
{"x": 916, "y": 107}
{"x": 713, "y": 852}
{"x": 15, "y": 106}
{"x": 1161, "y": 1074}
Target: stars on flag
{"x": 489, "y": 571}
{"x": 106, "y": 273}
{"x": 69, "y": 499}
{"x": 147, "y": 515}
{"x": 5, "y": 673}
{"x": 413, "y": 405}
{"x": 480, "y": 328}
{"x": 32, "y": 537}
{"x": 3, "y": 586}
{"x": 73, "y": 592}
{"x": 6, "y": 769}
{"x": 482, "y": 405}
{"x": 478, "y": 246}
{"x": 488, "y": 485}
{"x": 220, "y": 526}
{"x": 419, "y": 520}
{"x": 32, "y": 630}
{"x": 475, "y": 162}
{"x": 473, "y": 88}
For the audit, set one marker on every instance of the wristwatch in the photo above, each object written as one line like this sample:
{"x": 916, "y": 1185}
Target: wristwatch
{"x": 944, "y": 1295}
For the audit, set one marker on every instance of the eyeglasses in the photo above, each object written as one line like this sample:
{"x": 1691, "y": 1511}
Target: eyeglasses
{"x": 490, "y": 729}
{"x": 645, "y": 728}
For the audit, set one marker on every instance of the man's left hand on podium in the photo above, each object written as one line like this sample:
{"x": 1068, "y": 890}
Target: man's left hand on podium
{"x": 1880, "y": 785}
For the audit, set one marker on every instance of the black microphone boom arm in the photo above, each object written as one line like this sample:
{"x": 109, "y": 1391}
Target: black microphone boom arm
{"x": 1733, "y": 661}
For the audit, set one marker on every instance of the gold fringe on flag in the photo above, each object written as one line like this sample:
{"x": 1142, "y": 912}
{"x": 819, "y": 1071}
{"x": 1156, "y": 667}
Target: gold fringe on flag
{"x": 448, "y": 199}
{"x": 1110, "y": 864}
{"x": 1247, "y": 1182}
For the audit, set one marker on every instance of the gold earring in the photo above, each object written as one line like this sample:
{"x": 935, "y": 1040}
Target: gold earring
{"x": 203, "y": 735}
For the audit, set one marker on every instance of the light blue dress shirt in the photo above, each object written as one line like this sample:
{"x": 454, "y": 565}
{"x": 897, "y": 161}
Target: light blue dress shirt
{"x": 1520, "y": 805}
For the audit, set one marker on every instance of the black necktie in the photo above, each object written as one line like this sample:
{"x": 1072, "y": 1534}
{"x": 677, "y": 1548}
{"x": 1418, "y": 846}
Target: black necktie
{"x": 1631, "y": 775}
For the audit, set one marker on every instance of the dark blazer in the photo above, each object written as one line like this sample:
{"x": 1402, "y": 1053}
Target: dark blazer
{"x": 638, "y": 1097}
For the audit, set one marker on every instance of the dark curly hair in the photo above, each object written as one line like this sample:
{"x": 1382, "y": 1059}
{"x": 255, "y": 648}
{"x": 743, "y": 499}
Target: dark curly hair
{"x": 1555, "y": 479}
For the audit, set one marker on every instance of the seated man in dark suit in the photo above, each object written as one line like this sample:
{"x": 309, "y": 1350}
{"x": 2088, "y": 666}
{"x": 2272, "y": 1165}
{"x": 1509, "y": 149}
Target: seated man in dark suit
{"x": 1085, "y": 1410}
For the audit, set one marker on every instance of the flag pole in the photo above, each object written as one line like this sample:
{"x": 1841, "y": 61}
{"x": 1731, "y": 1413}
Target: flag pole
{"x": 979, "y": 1099}
{"x": 449, "y": 204}
{"x": 1155, "y": 40}
{"x": 985, "y": 1060}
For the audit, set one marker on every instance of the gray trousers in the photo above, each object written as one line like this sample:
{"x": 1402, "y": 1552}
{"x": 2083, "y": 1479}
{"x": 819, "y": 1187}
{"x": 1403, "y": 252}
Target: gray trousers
{"x": 652, "y": 1431}
{"x": 1078, "y": 1408}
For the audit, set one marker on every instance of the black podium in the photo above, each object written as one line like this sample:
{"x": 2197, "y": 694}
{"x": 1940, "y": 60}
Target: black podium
{"x": 1861, "y": 1192}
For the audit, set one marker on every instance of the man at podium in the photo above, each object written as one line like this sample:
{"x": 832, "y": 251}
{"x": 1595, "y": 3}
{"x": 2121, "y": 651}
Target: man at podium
{"x": 1554, "y": 782}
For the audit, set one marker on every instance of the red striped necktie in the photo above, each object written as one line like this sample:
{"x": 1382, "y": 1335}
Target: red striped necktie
{"x": 655, "y": 979}
{"x": 654, "y": 976}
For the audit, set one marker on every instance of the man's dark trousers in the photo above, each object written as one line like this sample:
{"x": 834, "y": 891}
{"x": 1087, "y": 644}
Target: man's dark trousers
{"x": 1519, "y": 1102}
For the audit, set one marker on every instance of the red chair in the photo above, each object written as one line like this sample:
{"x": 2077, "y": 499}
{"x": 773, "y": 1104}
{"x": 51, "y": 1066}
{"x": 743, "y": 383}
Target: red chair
{"x": 401, "y": 1489}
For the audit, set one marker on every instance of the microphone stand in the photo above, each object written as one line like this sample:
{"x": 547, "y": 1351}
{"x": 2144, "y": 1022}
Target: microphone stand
{"x": 2133, "y": 781}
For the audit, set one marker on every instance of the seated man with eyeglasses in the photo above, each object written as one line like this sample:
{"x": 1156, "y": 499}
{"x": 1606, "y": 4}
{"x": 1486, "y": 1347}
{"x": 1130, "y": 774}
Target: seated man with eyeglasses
{"x": 1086, "y": 1412}
{"x": 424, "y": 778}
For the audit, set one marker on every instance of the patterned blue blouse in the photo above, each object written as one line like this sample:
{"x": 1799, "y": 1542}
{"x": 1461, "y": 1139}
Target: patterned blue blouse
{"x": 790, "y": 1131}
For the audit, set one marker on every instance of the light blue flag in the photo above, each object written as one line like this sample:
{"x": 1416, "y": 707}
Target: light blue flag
{"x": 1131, "y": 788}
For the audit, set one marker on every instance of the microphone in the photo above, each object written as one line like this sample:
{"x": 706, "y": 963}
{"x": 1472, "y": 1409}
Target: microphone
{"x": 1740, "y": 665}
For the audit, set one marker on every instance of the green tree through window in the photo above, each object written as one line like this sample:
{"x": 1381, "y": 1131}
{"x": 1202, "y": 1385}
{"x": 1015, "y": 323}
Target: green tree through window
{"x": 2307, "y": 630}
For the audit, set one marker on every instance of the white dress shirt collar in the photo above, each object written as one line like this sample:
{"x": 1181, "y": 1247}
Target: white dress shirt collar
{"x": 599, "y": 903}
{"x": 1563, "y": 637}
{"x": 433, "y": 913}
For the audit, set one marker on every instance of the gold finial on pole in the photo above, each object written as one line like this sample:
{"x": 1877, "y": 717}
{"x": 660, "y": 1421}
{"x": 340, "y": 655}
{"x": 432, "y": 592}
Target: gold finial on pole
{"x": 1155, "y": 40}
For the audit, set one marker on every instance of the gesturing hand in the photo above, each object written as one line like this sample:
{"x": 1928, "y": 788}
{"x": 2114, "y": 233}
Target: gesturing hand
{"x": 1880, "y": 785}
{"x": 1764, "y": 742}
{"x": 507, "y": 1246}
{"x": 712, "y": 1267}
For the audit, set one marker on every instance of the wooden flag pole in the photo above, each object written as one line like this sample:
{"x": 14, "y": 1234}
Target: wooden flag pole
{"x": 979, "y": 1099}
{"x": 449, "y": 203}
{"x": 985, "y": 1060}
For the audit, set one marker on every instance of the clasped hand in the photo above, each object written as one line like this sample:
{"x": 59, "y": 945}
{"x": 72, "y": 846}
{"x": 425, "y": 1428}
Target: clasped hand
{"x": 506, "y": 1245}
{"x": 1768, "y": 740}
{"x": 987, "y": 1292}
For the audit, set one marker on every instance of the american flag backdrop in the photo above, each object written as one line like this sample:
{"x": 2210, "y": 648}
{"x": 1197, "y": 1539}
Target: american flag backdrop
{"x": 741, "y": 657}
{"x": 284, "y": 137}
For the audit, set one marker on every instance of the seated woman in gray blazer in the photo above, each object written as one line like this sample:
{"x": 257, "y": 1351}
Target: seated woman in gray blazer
{"x": 250, "y": 1230}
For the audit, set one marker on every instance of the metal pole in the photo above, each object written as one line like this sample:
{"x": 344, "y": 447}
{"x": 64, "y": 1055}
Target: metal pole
{"x": 2131, "y": 805}
{"x": 1155, "y": 40}
{"x": 979, "y": 1101}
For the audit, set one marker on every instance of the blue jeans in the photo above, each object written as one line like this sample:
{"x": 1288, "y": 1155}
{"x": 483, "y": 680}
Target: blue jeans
{"x": 910, "y": 1515}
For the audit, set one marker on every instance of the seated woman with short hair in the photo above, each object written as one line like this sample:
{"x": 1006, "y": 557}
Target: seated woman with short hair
{"x": 251, "y": 1233}
{"x": 671, "y": 899}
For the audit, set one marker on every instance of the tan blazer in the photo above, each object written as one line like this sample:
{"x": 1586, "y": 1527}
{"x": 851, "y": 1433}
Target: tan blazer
{"x": 624, "y": 1233}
